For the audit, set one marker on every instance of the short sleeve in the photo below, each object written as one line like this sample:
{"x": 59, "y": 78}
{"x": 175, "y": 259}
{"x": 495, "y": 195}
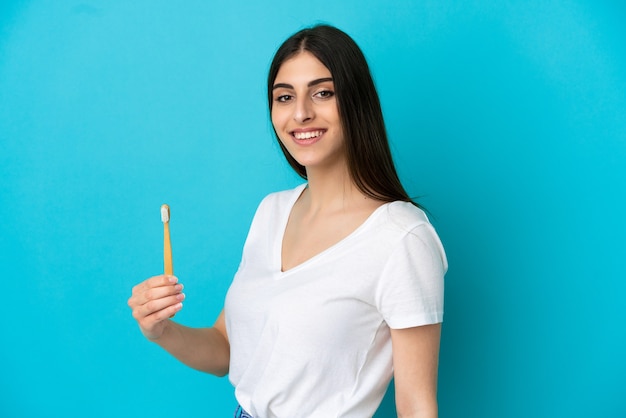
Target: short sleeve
{"x": 411, "y": 286}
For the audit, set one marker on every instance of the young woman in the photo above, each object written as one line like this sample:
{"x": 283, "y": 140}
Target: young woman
{"x": 341, "y": 281}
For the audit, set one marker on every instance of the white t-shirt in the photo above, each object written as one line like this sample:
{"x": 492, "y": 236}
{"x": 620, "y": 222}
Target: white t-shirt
{"x": 314, "y": 341}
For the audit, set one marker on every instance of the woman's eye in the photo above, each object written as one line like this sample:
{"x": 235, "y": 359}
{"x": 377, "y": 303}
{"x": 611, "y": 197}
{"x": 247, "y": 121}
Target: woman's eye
{"x": 283, "y": 98}
{"x": 325, "y": 94}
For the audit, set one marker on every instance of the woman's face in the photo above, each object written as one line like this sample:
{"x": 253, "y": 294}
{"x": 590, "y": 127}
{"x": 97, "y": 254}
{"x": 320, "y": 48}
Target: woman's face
{"x": 305, "y": 114}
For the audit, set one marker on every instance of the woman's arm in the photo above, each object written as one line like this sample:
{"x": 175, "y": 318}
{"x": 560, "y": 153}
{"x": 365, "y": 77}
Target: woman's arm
{"x": 415, "y": 363}
{"x": 204, "y": 349}
{"x": 154, "y": 302}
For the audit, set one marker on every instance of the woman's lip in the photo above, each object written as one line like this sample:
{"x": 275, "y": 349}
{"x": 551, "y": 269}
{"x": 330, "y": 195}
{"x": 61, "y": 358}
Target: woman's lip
{"x": 305, "y": 130}
{"x": 307, "y": 136}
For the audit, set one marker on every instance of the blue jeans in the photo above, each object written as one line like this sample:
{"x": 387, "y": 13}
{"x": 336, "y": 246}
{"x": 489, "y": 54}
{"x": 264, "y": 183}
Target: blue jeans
{"x": 241, "y": 413}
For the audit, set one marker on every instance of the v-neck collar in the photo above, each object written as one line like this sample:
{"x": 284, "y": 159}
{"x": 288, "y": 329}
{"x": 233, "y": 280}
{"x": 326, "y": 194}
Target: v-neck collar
{"x": 278, "y": 245}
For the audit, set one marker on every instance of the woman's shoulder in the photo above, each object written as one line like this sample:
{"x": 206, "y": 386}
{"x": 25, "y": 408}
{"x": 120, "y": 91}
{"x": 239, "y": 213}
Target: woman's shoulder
{"x": 282, "y": 198}
{"x": 275, "y": 206}
{"x": 405, "y": 215}
{"x": 411, "y": 223}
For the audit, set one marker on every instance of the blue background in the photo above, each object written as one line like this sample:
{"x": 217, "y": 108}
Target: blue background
{"x": 508, "y": 118}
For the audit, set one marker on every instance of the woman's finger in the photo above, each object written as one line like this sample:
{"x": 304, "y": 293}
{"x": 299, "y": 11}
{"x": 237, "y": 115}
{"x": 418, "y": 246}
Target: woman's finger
{"x": 155, "y": 293}
{"x": 163, "y": 314}
{"x": 166, "y": 285}
{"x": 155, "y": 281}
{"x": 155, "y": 305}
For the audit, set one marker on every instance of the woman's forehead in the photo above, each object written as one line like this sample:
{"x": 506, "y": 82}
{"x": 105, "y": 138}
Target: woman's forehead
{"x": 304, "y": 66}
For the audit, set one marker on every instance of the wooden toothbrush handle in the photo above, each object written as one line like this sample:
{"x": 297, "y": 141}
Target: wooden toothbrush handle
{"x": 167, "y": 251}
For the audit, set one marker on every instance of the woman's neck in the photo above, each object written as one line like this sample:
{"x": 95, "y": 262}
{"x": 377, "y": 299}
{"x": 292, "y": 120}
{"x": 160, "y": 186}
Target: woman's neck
{"x": 332, "y": 190}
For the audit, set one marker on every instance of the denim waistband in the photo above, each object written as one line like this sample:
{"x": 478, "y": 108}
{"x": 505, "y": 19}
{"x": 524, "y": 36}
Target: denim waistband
{"x": 241, "y": 413}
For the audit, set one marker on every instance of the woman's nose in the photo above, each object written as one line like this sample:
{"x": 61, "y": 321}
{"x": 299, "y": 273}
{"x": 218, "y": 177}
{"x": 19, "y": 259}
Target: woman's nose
{"x": 303, "y": 111}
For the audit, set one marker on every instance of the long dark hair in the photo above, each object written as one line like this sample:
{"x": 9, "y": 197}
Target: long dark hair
{"x": 369, "y": 158}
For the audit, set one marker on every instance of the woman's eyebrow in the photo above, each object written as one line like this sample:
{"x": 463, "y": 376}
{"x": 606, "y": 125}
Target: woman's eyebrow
{"x": 319, "y": 81}
{"x": 310, "y": 84}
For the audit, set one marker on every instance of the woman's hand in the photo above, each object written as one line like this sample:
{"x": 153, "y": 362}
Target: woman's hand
{"x": 154, "y": 301}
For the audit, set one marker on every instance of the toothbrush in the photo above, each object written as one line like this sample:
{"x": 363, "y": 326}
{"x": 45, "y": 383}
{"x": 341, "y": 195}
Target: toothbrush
{"x": 167, "y": 245}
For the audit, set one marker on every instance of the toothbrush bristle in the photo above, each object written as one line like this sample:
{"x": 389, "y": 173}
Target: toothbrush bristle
{"x": 165, "y": 213}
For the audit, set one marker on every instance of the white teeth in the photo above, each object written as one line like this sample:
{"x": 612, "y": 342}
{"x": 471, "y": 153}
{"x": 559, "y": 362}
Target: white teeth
{"x": 307, "y": 135}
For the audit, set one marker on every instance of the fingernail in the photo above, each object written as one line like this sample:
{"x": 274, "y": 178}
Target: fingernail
{"x": 180, "y": 296}
{"x": 178, "y": 287}
{"x": 173, "y": 279}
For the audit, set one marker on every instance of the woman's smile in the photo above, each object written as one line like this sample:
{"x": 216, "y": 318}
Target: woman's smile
{"x": 306, "y": 136}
